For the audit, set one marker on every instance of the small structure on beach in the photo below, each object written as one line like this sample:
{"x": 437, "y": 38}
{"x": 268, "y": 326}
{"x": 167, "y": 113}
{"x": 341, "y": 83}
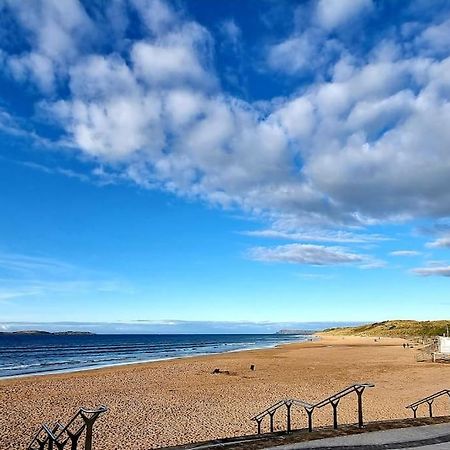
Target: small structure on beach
{"x": 442, "y": 352}
{"x": 444, "y": 345}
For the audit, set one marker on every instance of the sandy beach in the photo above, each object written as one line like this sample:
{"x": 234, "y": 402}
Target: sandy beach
{"x": 179, "y": 401}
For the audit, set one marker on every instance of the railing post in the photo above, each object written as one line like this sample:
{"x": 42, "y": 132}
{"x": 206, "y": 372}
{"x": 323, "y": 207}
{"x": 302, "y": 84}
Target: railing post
{"x": 414, "y": 409}
{"x": 288, "y": 407}
{"x": 309, "y": 411}
{"x": 430, "y": 407}
{"x": 74, "y": 438}
{"x": 89, "y": 422}
{"x": 61, "y": 445}
{"x": 258, "y": 421}
{"x": 334, "y": 404}
{"x": 359, "y": 393}
{"x": 271, "y": 414}
{"x": 59, "y": 435}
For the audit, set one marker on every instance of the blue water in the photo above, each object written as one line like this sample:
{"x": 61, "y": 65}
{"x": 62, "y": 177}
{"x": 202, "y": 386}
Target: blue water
{"x": 26, "y": 355}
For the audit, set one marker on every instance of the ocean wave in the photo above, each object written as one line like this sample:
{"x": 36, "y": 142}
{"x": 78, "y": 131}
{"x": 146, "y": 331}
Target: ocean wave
{"x": 36, "y": 354}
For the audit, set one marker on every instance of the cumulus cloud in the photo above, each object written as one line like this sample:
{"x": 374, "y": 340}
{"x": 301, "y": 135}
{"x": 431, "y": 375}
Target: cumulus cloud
{"x": 364, "y": 144}
{"x": 157, "y": 15}
{"x": 172, "y": 59}
{"x": 317, "y": 255}
{"x": 435, "y": 40}
{"x": 298, "y": 53}
{"x": 56, "y": 32}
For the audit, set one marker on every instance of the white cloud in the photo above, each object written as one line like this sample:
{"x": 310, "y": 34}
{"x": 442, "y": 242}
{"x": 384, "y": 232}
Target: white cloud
{"x": 57, "y": 170}
{"x": 335, "y": 13}
{"x": 298, "y": 50}
{"x": 56, "y": 31}
{"x": 35, "y": 65}
{"x": 114, "y": 129}
{"x": 98, "y": 77}
{"x": 231, "y": 32}
{"x": 318, "y": 236}
{"x": 157, "y": 15}
{"x": 369, "y": 144}
{"x": 443, "y": 242}
{"x": 297, "y": 118}
{"x": 435, "y": 39}
{"x": 404, "y": 253}
{"x": 167, "y": 63}
{"x": 183, "y": 105}
{"x": 441, "y": 271}
{"x": 305, "y": 254}
{"x": 12, "y": 262}
{"x": 37, "y": 276}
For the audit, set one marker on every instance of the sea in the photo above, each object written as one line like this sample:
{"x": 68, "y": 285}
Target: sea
{"x": 42, "y": 354}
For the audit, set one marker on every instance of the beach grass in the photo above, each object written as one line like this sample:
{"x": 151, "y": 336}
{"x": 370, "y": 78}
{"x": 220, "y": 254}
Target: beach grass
{"x": 394, "y": 328}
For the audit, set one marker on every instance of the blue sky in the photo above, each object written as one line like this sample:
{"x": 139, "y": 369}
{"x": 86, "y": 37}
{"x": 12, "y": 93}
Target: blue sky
{"x": 258, "y": 161}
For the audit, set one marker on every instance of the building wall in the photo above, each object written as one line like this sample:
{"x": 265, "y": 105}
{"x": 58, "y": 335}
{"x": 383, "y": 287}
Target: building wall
{"x": 444, "y": 345}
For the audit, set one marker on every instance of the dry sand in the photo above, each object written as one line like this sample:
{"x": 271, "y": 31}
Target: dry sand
{"x": 178, "y": 401}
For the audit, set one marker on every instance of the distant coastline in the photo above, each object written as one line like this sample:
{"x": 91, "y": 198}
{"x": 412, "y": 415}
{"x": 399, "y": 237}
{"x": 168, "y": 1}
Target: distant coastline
{"x": 46, "y": 333}
{"x": 297, "y": 332}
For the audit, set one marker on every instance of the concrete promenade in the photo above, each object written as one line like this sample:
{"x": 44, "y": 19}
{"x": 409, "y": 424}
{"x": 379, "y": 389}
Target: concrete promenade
{"x": 419, "y": 438}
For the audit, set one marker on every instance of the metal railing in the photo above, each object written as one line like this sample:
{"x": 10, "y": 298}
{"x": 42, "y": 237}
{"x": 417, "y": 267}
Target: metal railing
{"x": 59, "y": 435}
{"x": 336, "y": 398}
{"x": 310, "y": 407}
{"x": 271, "y": 410}
{"x": 430, "y": 399}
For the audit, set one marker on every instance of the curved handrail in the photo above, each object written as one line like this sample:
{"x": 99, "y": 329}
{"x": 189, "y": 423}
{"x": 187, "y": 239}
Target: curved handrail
{"x": 430, "y": 399}
{"x": 310, "y": 407}
{"x": 268, "y": 410}
{"x": 343, "y": 393}
{"x": 101, "y": 409}
{"x": 302, "y": 403}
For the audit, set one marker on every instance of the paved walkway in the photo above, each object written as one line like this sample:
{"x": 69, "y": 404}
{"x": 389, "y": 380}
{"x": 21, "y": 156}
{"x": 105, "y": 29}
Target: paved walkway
{"x": 419, "y": 438}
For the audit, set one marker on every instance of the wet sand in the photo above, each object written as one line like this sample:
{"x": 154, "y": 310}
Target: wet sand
{"x": 179, "y": 401}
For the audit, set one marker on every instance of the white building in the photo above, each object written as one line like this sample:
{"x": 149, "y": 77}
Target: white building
{"x": 444, "y": 345}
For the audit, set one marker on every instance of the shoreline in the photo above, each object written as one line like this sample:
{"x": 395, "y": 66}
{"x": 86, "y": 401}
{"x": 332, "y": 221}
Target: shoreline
{"x": 178, "y": 401}
{"x": 147, "y": 361}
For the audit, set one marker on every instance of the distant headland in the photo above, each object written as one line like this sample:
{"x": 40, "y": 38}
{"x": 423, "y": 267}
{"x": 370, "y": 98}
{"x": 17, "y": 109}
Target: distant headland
{"x": 302, "y": 332}
{"x": 46, "y": 333}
